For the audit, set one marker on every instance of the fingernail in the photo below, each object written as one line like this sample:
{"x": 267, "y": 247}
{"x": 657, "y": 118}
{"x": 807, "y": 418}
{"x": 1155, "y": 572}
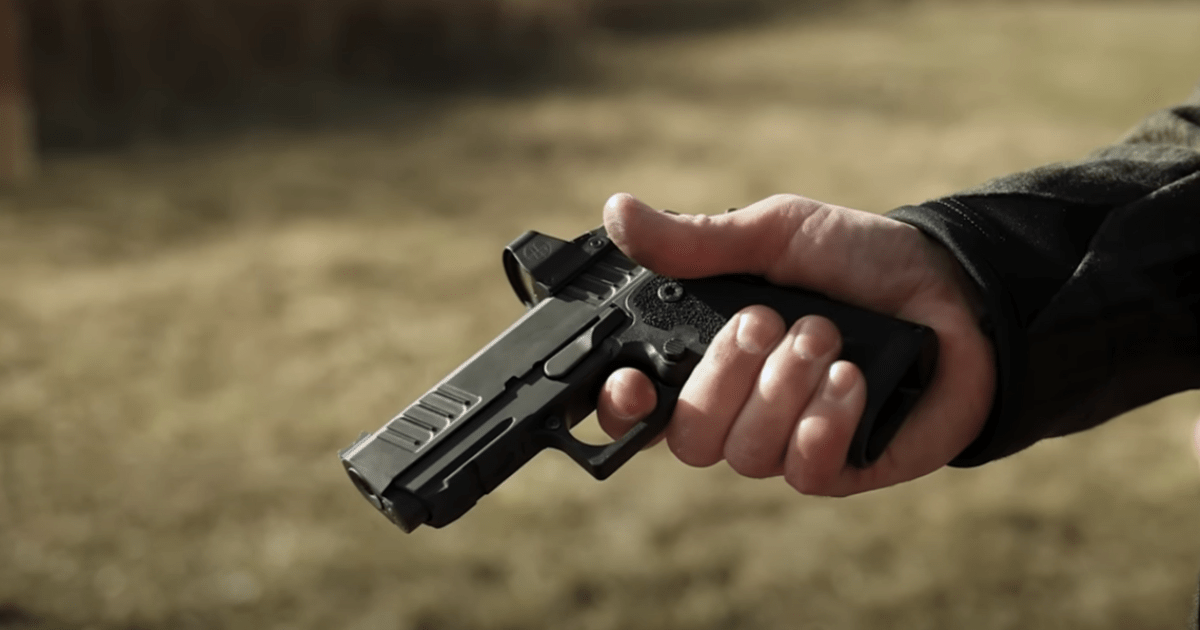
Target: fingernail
{"x": 808, "y": 344}
{"x": 748, "y": 339}
{"x": 841, "y": 381}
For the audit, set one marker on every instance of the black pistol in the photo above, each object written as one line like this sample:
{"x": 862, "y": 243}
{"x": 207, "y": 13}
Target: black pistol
{"x": 592, "y": 310}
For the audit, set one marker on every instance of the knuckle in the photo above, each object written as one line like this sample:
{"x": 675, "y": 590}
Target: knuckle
{"x": 699, "y": 221}
{"x": 740, "y": 466}
{"x": 748, "y": 463}
{"x": 738, "y": 456}
{"x": 696, "y": 460}
{"x": 837, "y": 492}
{"x": 785, "y": 200}
{"x": 797, "y": 204}
{"x": 690, "y": 454}
{"x": 805, "y": 480}
{"x": 804, "y": 484}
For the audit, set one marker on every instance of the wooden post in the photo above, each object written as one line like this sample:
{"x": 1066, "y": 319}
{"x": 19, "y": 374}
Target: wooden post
{"x": 16, "y": 120}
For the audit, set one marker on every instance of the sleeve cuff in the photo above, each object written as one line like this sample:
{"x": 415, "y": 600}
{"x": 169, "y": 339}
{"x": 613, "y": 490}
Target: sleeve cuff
{"x": 967, "y": 237}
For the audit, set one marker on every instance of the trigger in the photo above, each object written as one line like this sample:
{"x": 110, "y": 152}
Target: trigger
{"x": 564, "y": 360}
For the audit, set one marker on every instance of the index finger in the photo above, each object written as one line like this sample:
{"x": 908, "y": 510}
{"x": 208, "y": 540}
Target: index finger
{"x": 626, "y": 398}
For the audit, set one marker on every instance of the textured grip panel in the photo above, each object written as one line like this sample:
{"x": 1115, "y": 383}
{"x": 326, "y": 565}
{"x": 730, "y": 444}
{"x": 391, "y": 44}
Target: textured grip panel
{"x": 688, "y": 310}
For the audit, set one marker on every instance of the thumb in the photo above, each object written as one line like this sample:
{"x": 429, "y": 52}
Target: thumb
{"x": 855, "y": 256}
{"x": 686, "y": 246}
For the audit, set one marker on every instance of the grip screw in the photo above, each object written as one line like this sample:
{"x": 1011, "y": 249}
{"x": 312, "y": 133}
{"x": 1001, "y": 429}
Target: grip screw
{"x": 596, "y": 242}
{"x": 670, "y": 292}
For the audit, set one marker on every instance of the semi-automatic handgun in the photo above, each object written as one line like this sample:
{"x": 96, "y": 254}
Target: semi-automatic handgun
{"x": 592, "y": 310}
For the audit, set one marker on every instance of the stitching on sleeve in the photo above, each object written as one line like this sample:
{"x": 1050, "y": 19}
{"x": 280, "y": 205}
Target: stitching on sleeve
{"x": 963, "y": 211}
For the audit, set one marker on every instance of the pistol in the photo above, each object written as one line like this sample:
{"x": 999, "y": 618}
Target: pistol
{"x": 592, "y": 310}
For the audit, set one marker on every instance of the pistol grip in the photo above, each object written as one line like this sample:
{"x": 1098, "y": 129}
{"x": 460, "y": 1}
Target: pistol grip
{"x": 896, "y": 357}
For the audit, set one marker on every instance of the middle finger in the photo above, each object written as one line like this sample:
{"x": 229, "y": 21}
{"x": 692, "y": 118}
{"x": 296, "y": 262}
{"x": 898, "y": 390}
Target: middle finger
{"x": 759, "y": 437}
{"x": 717, "y": 388}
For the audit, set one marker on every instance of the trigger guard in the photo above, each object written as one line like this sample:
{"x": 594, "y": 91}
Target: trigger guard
{"x": 602, "y": 460}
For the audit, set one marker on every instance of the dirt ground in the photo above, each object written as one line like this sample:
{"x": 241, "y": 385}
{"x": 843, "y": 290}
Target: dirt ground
{"x": 189, "y": 333}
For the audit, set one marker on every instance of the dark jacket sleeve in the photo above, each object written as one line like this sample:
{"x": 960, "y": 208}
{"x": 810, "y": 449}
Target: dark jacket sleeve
{"x": 1090, "y": 272}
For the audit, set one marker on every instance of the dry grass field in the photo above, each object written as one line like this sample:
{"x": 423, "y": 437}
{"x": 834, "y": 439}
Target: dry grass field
{"x": 190, "y": 331}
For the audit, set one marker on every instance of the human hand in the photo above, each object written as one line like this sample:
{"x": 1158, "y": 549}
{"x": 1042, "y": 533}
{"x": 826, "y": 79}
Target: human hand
{"x": 775, "y": 402}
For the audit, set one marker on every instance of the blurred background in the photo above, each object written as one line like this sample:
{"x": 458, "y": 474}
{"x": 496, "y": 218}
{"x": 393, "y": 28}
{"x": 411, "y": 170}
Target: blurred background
{"x": 260, "y": 227}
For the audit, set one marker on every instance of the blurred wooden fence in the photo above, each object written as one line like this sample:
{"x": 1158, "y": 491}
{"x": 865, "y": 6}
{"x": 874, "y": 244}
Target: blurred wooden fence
{"x": 16, "y": 142}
